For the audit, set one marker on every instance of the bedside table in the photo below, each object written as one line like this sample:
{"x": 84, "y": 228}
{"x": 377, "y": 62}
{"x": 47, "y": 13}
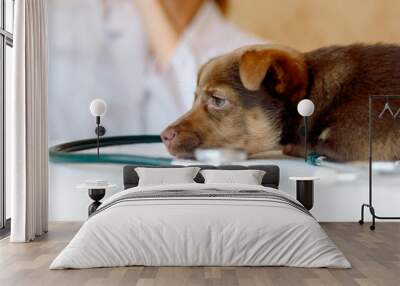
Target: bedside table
{"x": 305, "y": 190}
{"x": 96, "y": 191}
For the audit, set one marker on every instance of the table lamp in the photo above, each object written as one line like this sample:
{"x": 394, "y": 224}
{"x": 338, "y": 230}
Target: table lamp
{"x": 98, "y": 108}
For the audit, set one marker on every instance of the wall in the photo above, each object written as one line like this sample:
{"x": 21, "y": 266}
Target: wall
{"x": 308, "y": 24}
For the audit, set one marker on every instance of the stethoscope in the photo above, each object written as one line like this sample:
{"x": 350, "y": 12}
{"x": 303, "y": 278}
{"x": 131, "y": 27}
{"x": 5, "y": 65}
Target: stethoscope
{"x": 68, "y": 152}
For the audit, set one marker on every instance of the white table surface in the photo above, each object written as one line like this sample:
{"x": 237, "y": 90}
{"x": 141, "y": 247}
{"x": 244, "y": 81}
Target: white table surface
{"x": 304, "y": 178}
{"x": 94, "y": 187}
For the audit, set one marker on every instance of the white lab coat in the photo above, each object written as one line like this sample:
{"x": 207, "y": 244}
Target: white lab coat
{"x": 98, "y": 49}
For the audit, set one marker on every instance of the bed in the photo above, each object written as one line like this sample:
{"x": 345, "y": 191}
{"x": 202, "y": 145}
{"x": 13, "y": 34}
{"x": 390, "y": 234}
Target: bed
{"x": 198, "y": 224}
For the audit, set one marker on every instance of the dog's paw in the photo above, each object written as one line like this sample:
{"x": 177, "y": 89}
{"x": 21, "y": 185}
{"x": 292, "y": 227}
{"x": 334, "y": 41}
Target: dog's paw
{"x": 287, "y": 149}
{"x": 293, "y": 150}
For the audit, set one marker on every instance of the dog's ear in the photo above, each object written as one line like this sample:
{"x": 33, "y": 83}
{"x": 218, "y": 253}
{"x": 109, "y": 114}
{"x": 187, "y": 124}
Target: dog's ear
{"x": 281, "y": 69}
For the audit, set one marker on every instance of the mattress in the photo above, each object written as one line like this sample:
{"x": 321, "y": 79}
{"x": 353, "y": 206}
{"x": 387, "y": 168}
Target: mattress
{"x": 201, "y": 225}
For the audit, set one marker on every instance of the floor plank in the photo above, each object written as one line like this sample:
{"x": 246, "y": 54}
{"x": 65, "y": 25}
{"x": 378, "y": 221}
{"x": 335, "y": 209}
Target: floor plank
{"x": 375, "y": 257}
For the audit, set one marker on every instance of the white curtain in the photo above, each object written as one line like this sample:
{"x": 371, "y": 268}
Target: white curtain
{"x": 26, "y": 123}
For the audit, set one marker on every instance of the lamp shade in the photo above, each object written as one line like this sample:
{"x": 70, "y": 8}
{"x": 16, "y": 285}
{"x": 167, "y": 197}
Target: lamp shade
{"x": 305, "y": 107}
{"x": 98, "y": 107}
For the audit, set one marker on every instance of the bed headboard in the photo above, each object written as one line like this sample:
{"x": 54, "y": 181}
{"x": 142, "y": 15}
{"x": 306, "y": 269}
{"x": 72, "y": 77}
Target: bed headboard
{"x": 271, "y": 177}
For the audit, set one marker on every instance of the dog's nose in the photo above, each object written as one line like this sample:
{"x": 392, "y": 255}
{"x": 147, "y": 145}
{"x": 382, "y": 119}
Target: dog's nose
{"x": 168, "y": 136}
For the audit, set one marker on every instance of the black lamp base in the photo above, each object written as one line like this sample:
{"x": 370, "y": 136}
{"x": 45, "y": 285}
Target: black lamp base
{"x": 96, "y": 195}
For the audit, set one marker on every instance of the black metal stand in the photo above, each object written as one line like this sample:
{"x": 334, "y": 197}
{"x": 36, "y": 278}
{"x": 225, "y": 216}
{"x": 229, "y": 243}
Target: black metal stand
{"x": 98, "y": 136}
{"x": 370, "y": 205}
{"x": 96, "y": 195}
{"x": 305, "y": 193}
{"x": 305, "y": 138}
{"x": 100, "y": 131}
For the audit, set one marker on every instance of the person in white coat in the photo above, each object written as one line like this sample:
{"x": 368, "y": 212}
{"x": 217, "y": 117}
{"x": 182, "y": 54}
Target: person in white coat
{"x": 140, "y": 56}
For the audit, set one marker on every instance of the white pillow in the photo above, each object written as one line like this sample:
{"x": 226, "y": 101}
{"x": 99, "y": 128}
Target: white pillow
{"x": 248, "y": 177}
{"x": 165, "y": 176}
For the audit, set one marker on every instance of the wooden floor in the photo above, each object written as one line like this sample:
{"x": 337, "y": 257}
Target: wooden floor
{"x": 375, "y": 257}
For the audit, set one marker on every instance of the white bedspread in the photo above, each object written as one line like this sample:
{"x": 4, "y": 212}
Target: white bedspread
{"x": 200, "y": 231}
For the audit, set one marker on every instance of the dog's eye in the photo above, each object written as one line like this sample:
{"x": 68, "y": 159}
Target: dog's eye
{"x": 218, "y": 101}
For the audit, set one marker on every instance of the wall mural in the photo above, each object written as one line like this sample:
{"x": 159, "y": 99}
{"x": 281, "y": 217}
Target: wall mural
{"x": 245, "y": 99}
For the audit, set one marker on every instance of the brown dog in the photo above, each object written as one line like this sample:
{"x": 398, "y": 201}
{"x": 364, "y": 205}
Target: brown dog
{"x": 247, "y": 99}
